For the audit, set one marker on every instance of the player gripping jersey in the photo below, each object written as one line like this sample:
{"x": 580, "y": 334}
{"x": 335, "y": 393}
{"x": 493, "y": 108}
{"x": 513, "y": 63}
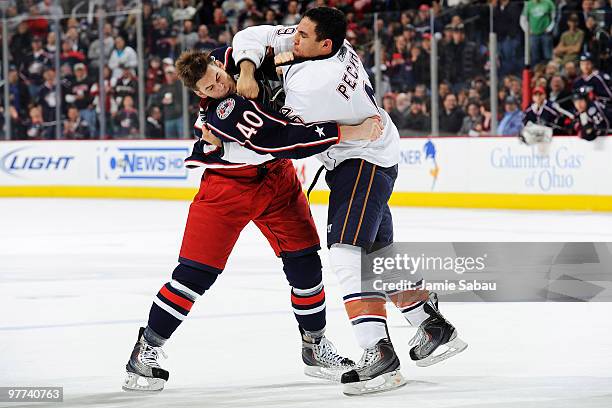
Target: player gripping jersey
{"x": 233, "y": 193}
{"x": 329, "y": 82}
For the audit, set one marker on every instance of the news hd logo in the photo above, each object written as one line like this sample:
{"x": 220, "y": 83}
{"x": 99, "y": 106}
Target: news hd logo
{"x": 142, "y": 163}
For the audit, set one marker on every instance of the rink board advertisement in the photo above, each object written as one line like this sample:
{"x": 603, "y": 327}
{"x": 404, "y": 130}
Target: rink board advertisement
{"x": 492, "y": 172}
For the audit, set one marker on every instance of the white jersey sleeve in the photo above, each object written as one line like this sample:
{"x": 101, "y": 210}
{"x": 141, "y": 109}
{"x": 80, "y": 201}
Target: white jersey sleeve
{"x": 252, "y": 42}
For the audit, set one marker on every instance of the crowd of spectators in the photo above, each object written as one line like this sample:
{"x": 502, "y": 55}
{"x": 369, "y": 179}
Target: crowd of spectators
{"x": 560, "y": 31}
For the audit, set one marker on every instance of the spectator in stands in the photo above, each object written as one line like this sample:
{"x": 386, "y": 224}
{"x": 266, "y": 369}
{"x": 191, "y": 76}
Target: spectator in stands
{"x": 19, "y": 96}
{"x": 69, "y": 56}
{"x": 559, "y": 94}
{"x": 124, "y": 86}
{"x": 155, "y": 127}
{"x": 51, "y": 43}
{"x": 598, "y": 43}
{"x": 399, "y": 113}
{"x": 184, "y": 11}
{"x": 292, "y": 16}
{"x": 74, "y": 126}
{"x": 451, "y": 117}
{"x": 169, "y": 97}
{"x": 109, "y": 101}
{"x": 33, "y": 66}
{"x": 512, "y": 121}
{"x": 389, "y": 103}
{"x": 552, "y": 69}
{"x": 79, "y": 43}
{"x": 188, "y": 38}
{"x": 460, "y": 60}
{"x": 93, "y": 54}
{"x": 36, "y": 128}
{"x": 164, "y": 39}
{"x": 78, "y": 94}
{"x": 417, "y": 120}
{"x": 250, "y": 13}
{"x": 38, "y": 26}
{"x": 50, "y": 8}
{"x": 506, "y": 19}
{"x": 154, "y": 77}
{"x": 539, "y": 18}
{"x": 20, "y": 42}
{"x": 472, "y": 124}
{"x": 219, "y": 22}
{"x": 126, "y": 119}
{"x": 420, "y": 92}
{"x": 205, "y": 42}
{"x": 122, "y": 55}
{"x": 270, "y": 17}
{"x": 570, "y": 44}
{"x": 420, "y": 60}
{"x": 570, "y": 72}
{"x": 47, "y": 97}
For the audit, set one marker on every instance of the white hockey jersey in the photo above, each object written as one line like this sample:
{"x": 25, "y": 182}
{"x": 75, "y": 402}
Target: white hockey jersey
{"x": 335, "y": 89}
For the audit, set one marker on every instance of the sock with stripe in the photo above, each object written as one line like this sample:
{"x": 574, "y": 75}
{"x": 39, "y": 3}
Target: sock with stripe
{"x": 411, "y": 304}
{"x": 365, "y": 310}
{"x": 304, "y": 274}
{"x": 174, "y": 301}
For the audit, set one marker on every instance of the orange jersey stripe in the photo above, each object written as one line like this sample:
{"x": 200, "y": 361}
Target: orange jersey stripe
{"x": 409, "y": 297}
{"x": 360, "y": 307}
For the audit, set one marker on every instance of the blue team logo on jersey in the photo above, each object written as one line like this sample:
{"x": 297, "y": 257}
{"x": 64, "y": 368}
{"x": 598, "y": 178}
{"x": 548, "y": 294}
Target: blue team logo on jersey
{"x": 430, "y": 154}
{"x": 142, "y": 163}
{"x": 225, "y": 108}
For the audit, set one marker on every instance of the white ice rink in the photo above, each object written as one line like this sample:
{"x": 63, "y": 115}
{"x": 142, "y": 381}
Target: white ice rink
{"x": 77, "y": 278}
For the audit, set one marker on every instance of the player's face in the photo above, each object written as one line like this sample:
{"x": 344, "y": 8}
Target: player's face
{"x": 216, "y": 83}
{"x": 305, "y": 44}
{"x": 538, "y": 98}
{"x": 586, "y": 67}
{"x": 580, "y": 105}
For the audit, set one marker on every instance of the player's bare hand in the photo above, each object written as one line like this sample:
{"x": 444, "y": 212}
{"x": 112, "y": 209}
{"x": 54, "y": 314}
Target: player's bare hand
{"x": 370, "y": 129}
{"x": 283, "y": 58}
{"x": 247, "y": 87}
{"x": 207, "y": 136}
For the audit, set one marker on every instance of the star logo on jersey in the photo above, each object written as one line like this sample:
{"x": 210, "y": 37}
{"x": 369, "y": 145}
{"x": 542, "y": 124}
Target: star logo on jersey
{"x": 319, "y": 131}
{"x": 225, "y": 108}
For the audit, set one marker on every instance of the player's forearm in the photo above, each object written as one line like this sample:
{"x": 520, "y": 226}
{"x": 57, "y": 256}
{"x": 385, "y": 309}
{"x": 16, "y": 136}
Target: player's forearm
{"x": 250, "y": 44}
{"x": 247, "y": 69}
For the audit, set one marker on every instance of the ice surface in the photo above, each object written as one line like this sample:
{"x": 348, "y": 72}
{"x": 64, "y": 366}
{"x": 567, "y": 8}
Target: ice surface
{"x": 77, "y": 278}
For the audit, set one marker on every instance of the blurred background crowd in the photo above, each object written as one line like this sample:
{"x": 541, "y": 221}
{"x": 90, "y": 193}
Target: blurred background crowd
{"x": 561, "y": 33}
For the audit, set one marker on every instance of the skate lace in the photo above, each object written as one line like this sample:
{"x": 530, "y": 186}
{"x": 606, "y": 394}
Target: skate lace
{"x": 368, "y": 357}
{"x": 150, "y": 354}
{"x": 419, "y": 338}
{"x": 327, "y": 353}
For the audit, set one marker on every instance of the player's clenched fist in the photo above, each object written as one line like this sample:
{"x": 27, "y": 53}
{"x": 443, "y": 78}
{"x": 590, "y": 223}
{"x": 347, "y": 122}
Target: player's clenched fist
{"x": 210, "y": 138}
{"x": 283, "y": 58}
{"x": 247, "y": 85}
{"x": 370, "y": 129}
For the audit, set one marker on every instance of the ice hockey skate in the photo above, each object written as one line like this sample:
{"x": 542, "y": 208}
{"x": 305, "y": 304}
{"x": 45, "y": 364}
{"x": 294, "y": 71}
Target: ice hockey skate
{"x": 143, "y": 370}
{"x": 322, "y": 359}
{"x": 377, "y": 371}
{"x": 435, "y": 334}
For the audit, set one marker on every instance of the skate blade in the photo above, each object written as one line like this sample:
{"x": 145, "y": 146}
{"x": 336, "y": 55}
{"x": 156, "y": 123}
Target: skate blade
{"x": 330, "y": 374}
{"x": 382, "y": 383}
{"x": 135, "y": 382}
{"x": 454, "y": 347}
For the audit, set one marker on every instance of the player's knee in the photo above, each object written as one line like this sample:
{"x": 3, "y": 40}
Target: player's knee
{"x": 304, "y": 271}
{"x": 197, "y": 280}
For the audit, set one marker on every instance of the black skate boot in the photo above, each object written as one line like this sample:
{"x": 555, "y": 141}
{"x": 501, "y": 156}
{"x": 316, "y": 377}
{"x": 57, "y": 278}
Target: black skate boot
{"x": 143, "y": 370}
{"x": 377, "y": 371}
{"x": 322, "y": 359}
{"x": 434, "y": 332}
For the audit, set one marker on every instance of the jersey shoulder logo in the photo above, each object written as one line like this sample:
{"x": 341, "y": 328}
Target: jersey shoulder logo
{"x": 342, "y": 53}
{"x": 225, "y": 108}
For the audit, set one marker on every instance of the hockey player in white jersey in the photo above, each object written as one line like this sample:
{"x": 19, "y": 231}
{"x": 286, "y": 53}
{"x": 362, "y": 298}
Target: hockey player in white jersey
{"x": 327, "y": 81}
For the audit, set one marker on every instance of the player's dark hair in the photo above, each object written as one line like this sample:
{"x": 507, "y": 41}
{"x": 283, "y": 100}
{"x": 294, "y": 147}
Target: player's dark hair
{"x": 191, "y": 66}
{"x": 330, "y": 23}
